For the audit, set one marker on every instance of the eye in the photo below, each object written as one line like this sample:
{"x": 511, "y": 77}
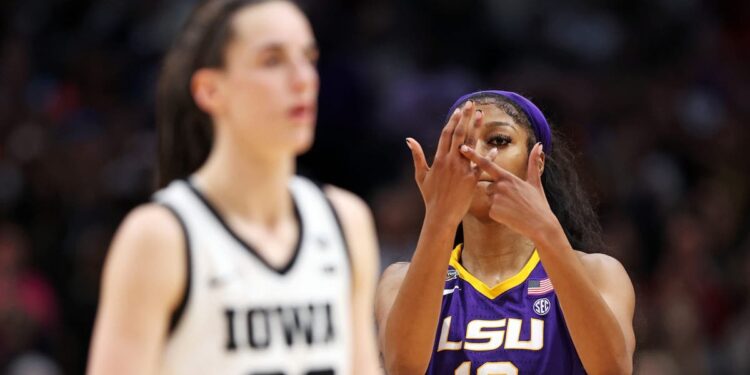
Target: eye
{"x": 313, "y": 55}
{"x": 272, "y": 59}
{"x": 499, "y": 140}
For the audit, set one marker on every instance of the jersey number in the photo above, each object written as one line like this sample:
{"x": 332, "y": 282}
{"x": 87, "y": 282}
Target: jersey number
{"x": 489, "y": 368}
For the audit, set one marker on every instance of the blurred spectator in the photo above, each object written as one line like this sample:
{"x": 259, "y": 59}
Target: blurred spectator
{"x": 33, "y": 364}
{"x": 28, "y": 311}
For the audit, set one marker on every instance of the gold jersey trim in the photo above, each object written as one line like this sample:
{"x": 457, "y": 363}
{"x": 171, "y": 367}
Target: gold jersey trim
{"x": 504, "y": 286}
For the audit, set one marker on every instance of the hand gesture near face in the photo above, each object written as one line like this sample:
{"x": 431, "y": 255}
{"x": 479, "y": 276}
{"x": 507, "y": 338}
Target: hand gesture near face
{"x": 448, "y": 185}
{"x": 518, "y": 203}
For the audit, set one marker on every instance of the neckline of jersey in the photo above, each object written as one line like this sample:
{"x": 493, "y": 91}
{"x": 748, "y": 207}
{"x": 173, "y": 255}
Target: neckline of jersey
{"x": 214, "y": 211}
{"x": 503, "y": 286}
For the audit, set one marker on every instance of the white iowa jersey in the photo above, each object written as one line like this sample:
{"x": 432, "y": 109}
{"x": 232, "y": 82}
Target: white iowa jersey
{"x": 242, "y": 316}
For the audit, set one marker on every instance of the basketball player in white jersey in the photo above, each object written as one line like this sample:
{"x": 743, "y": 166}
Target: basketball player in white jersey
{"x": 238, "y": 266}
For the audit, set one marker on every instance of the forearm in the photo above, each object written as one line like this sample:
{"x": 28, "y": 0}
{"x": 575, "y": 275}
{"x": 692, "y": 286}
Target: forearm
{"x": 412, "y": 321}
{"x": 596, "y": 333}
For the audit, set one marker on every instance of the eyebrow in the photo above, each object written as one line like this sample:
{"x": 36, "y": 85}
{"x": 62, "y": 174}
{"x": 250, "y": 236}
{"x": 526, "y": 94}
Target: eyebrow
{"x": 278, "y": 46}
{"x": 500, "y": 123}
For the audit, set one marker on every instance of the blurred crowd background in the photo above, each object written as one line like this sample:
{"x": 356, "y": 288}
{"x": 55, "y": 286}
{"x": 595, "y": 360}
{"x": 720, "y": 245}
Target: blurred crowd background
{"x": 654, "y": 96}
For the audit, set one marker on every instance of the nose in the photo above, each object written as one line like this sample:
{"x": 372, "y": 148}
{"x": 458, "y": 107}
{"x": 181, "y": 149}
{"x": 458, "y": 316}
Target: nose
{"x": 484, "y": 149}
{"x": 304, "y": 75}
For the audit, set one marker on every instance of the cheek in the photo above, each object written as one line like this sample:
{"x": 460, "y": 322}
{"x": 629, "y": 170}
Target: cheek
{"x": 514, "y": 161}
{"x": 256, "y": 90}
{"x": 250, "y": 111}
{"x": 511, "y": 158}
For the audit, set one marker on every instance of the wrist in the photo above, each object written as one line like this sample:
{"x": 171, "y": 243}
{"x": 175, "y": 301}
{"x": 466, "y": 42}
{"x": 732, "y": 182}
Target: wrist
{"x": 550, "y": 235}
{"x": 439, "y": 225}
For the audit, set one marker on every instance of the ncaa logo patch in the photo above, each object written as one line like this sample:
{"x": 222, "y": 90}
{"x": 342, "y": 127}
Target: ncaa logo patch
{"x": 541, "y": 306}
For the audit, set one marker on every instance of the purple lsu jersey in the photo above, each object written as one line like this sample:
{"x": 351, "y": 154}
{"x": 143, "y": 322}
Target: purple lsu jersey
{"x": 515, "y": 327}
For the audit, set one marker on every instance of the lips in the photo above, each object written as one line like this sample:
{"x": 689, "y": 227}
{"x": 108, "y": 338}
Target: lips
{"x": 301, "y": 112}
{"x": 485, "y": 178}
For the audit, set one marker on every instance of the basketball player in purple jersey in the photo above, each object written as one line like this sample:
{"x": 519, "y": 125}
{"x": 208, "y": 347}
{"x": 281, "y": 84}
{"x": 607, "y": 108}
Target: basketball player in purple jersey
{"x": 517, "y": 298}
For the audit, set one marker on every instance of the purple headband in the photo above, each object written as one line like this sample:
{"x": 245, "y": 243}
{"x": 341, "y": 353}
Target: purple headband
{"x": 536, "y": 118}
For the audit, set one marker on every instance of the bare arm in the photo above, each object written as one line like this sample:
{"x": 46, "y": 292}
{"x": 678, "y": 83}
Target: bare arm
{"x": 390, "y": 283}
{"x": 142, "y": 283}
{"x": 597, "y": 300}
{"x": 409, "y": 306}
{"x": 360, "y": 236}
{"x": 595, "y": 292}
{"x": 408, "y": 321}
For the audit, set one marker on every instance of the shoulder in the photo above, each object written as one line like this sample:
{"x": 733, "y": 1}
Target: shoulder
{"x": 607, "y": 273}
{"x": 148, "y": 252}
{"x": 391, "y": 280}
{"x": 395, "y": 272}
{"x": 347, "y": 204}
{"x": 355, "y": 218}
{"x": 358, "y": 226}
{"x": 614, "y": 285}
{"x": 148, "y": 226}
{"x": 145, "y": 217}
{"x": 388, "y": 287}
{"x": 598, "y": 264}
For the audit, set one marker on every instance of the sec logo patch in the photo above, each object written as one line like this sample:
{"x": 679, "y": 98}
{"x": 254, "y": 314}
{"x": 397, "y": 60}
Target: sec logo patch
{"x": 541, "y": 306}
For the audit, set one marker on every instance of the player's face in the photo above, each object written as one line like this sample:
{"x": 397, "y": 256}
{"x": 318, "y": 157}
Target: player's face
{"x": 270, "y": 81}
{"x": 500, "y": 131}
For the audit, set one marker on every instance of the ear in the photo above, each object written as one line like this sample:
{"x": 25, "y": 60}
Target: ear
{"x": 542, "y": 158}
{"x": 535, "y": 166}
{"x": 204, "y": 85}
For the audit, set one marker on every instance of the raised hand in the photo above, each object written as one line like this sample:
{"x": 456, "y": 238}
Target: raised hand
{"x": 518, "y": 203}
{"x": 448, "y": 185}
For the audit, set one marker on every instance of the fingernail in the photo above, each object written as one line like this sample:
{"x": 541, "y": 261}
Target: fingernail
{"x": 457, "y": 111}
{"x": 407, "y": 143}
{"x": 464, "y": 148}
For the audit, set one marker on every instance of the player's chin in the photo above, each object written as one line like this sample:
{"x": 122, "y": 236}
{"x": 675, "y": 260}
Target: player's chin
{"x": 480, "y": 204}
{"x": 480, "y": 191}
{"x": 303, "y": 142}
